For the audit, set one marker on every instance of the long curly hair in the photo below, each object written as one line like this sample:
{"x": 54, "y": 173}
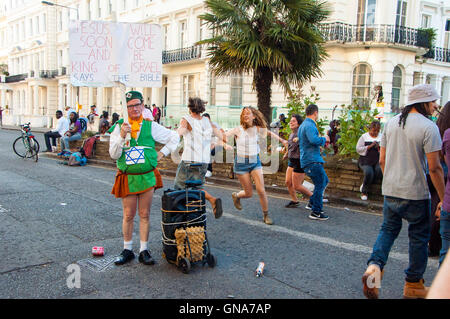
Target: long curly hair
{"x": 258, "y": 121}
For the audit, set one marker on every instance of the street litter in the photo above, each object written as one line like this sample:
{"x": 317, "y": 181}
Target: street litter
{"x": 259, "y": 271}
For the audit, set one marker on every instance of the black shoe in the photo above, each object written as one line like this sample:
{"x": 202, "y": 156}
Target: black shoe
{"x": 318, "y": 216}
{"x": 217, "y": 210}
{"x": 124, "y": 257}
{"x": 146, "y": 258}
{"x": 308, "y": 206}
{"x": 292, "y": 204}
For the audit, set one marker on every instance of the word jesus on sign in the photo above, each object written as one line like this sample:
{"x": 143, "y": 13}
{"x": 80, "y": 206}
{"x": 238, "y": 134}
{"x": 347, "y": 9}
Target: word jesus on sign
{"x": 102, "y": 53}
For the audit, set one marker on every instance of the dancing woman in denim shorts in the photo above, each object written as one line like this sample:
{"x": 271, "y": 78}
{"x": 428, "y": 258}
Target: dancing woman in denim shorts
{"x": 247, "y": 163}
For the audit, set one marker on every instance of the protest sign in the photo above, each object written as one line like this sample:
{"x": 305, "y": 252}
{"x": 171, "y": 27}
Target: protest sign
{"x": 104, "y": 53}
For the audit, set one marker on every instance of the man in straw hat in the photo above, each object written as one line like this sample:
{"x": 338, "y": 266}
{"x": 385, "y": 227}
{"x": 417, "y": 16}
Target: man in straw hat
{"x": 409, "y": 142}
{"x": 137, "y": 176}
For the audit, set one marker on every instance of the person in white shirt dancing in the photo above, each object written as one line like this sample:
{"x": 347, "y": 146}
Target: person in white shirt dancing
{"x": 197, "y": 134}
{"x": 62, "y": 127}
{"x": 247, "y": 163}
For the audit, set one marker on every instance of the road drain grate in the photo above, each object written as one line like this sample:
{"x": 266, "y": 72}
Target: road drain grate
{"x": 97, "y": 263}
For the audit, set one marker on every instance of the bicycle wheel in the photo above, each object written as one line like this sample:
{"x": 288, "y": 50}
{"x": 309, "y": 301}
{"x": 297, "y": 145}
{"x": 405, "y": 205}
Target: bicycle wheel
{"x": 20, "y": 147}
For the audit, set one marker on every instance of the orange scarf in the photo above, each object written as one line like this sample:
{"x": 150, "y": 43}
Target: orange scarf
{"x": 135, "y": 126}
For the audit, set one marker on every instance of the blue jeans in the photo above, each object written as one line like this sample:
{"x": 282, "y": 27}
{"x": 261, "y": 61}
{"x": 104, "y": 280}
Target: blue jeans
{"x": 445, "y": 234}
{"x": 417, "y": 213}
{"x": 316, "y": 172}
{"x": 65, "y": 141}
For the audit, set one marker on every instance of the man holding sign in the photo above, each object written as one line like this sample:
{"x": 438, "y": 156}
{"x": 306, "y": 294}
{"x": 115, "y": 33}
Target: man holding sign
{"x": 137, "y": 176}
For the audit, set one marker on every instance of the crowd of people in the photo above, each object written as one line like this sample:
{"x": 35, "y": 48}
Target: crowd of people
{"x": 409, "y": 148}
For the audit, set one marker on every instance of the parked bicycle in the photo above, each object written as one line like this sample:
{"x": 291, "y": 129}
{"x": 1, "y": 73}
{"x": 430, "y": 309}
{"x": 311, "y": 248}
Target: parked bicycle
{"x": 26, "y": 145}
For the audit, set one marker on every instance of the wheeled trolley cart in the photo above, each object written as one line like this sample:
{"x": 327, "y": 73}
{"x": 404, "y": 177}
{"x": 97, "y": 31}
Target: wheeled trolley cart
{"x": 183, "y": 224}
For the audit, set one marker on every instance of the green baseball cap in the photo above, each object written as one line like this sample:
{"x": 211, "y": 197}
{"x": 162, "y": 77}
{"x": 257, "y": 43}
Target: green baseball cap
{"x": 131, "y": 95}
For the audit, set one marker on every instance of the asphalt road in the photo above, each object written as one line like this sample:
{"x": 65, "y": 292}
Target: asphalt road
{"x": 52, "y": 215}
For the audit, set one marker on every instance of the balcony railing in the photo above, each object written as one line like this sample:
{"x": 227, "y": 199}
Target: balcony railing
{"x": 438, "y": 54}
{"x": 48, "y": 74}
{"x": 383, "y": 33}
{"x": 16, "y": 78}
{"x": 184, "y": 54}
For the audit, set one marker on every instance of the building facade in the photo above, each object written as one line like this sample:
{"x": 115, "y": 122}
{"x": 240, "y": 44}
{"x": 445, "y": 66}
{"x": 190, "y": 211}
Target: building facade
{"x": 371, "y": 43}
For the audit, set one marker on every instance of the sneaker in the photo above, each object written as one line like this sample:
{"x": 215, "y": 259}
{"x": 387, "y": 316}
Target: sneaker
{"x": 360, "y": 188}
{"x": 371, "y": 281}
{"x": 208, "y": 174}
{"x": 292, "y": 204}
{"x": 308, "y": 206}
{"x": 415, "y": 290}
{"x": 325, "y": 200}
{"x": 318, "y": 216}
{"x": 364, "y": 197}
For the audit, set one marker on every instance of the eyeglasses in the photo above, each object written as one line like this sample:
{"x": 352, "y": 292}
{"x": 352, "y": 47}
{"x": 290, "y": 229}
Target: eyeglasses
{"x": 135, "y": 105}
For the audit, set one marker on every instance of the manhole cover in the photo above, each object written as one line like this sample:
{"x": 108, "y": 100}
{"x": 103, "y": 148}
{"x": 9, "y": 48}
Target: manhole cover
{"x": 97, "y": 264}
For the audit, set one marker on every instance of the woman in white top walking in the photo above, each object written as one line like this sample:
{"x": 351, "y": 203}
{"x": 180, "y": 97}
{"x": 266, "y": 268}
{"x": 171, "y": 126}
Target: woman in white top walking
{"x": 247, "y": 163}
{"x": 197, "y": 134}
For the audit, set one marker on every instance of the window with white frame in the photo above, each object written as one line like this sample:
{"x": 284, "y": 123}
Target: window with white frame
{"x": 447, "y": 35}
{"x": 366, "y": 12}
{"x": 201, "y": 29}
{"x": 165, "y": 35}
{"x": 44, "y": 23}
{"x": 236, "y": 83}
{"x": 182, "y": 25}
{"x": 396, "y": 89}
{"x": 400, "y": 18}
{"x": 362, "y": 77}
{"x": 36, "y": 23}
{"x": 426, "y": 21}
{"x": 188, "y": 88}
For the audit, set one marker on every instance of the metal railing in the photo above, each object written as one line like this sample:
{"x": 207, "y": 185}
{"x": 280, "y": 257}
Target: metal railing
{"x": 16, "y": 78}
{"x": 383, "y": 33}
{"x": 184, "y": 54}
{"x": 438, "y": 54}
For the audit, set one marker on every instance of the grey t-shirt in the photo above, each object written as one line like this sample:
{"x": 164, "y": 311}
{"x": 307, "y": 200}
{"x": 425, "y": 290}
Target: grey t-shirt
{"x": 406, "y": 149}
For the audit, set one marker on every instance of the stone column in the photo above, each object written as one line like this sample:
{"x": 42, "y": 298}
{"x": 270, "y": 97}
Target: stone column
{"x": 436, "y": 82}
{"x": 445, "y": 90}
{"x": 69, "y": 96}
{"x": 60, "y": 105}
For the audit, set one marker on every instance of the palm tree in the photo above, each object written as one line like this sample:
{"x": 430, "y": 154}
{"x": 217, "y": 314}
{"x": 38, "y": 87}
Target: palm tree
{"x": 273, "y": 39}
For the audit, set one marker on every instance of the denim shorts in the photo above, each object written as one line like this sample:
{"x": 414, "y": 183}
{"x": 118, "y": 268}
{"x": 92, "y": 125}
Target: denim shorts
{"x": 185, "y": 173}
{"x": 244, "y": 165}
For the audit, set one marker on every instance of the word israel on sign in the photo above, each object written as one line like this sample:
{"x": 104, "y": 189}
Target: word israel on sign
{"x": 103, "y": 53}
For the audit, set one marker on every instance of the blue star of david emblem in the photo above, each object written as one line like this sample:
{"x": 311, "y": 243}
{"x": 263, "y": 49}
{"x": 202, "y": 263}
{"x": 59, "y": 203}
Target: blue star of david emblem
{"x": 134, "y": 155}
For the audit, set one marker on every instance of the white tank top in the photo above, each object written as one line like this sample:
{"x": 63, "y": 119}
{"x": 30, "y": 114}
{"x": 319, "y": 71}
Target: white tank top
{"x": 247, "y": 142}
{"x": 197, "y": 142}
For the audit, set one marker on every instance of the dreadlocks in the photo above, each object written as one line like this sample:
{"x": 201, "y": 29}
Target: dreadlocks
{"x": 420, "y": 107}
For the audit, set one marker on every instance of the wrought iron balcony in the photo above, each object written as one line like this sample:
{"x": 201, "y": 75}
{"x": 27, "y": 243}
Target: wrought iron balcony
{"x": 184, "y": 54}
{"x": 438, "y": 54}
{"x": 16, "y": 78}
{"x": 48, "y": 73}
{"x": 383, "y": 33}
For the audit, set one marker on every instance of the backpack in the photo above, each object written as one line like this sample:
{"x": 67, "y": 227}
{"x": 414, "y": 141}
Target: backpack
{"x": 76, "y": 159}
{"x": 83, "y": 122}
{"x": 88, "y": 147}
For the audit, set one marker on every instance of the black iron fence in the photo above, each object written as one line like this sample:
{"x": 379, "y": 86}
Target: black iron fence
{"x": 438, "y": 54}
{"x": 383, "y": 33}
{"x": 16, "y": 78}
{"x": 184, "y": 54}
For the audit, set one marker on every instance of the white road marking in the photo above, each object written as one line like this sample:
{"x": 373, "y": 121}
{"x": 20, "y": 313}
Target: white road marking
{"x": 319, "y": 239}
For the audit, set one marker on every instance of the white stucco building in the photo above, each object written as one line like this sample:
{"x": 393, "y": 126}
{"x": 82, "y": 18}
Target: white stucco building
{"x": 370, "y": 43}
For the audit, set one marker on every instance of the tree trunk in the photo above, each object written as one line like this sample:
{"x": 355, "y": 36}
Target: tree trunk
{"x": 263, "y": 78}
